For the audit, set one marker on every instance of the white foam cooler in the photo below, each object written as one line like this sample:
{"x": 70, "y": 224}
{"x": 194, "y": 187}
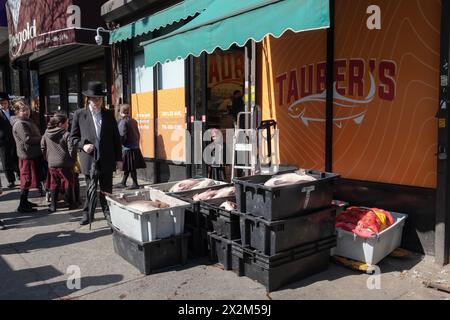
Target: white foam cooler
{"x": 149, "y": 225}
{"x": 374, "y": 249}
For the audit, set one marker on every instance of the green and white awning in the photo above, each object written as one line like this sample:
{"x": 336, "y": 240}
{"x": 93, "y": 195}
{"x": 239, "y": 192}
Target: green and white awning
{"x": 161, "y": 19}
{"x": 228, "y": 22}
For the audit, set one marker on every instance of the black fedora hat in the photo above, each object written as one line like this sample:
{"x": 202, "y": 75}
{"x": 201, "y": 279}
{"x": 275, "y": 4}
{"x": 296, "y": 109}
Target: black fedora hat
{"x": 4, "y": 96}
{"x": 95, "y": 89}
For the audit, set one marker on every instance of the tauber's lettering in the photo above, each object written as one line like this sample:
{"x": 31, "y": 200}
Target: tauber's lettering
{"x": 351, "y": 77}
{"x": 17, "y": 40}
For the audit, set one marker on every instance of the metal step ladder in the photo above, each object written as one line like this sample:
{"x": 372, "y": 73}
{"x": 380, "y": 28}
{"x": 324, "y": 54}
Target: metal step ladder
{"x": 245, "y": 141}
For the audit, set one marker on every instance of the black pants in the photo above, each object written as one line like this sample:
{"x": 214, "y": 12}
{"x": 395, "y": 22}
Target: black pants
{"x": 10, "y": 162}
{"x": 105, "y": 182}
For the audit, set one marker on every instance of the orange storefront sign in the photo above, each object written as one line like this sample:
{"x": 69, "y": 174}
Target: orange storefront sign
{"x": 142, "y": 112}
{"x": 171, "y": 125}
{"x": 386, "y": 93}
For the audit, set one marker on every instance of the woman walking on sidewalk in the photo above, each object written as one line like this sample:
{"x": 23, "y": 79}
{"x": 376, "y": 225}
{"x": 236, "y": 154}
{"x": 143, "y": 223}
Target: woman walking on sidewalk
{"x": 60, "y": 155}
{"x": 132, "y": 156}
{"x": 28, "y": 142}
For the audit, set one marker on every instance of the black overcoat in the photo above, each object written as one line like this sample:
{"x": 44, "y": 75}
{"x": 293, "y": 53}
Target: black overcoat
{"x": 109, "y": 146}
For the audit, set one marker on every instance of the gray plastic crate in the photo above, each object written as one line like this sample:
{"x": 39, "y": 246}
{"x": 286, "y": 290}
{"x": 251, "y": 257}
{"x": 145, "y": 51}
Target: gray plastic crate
{"x": 149, "y": 257}
{"x": 225, "y": 223}
{"x": 220, "y": 250}
{"x": 281, "y": 202}
{"x": 284, "y": 268}
{"x": 274, "y": 237}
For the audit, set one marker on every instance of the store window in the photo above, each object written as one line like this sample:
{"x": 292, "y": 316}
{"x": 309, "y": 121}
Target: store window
{"x": 52, "y": 93}
{"x": 93, "y": 71}
{"x": 15, "y": 82}
{"x": 171, "y": 75}
{"x": 72, "y": 91}
{"x": 225, "y": 76}
{"x": 142, "y": 75}
{"x": 142, "y": 104}
{"x": 171, "y": 117}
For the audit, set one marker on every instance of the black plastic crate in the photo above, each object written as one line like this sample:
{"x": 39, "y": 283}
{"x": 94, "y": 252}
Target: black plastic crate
{"x": 198, "y": 242}
{"x": 274, "y": 237}
{"x": 281, "y": 202}
{"x": 284, "y": 268}
{"x": 149, "y": 257}
{"x": 220, "y": 250}
{"x": 224, "y": 223}
{"x": 192, "y": 216}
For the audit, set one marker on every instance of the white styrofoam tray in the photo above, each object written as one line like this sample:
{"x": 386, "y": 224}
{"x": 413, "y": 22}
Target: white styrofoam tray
{"x": 374, "y": 249}
{"x": 150, "y": 225}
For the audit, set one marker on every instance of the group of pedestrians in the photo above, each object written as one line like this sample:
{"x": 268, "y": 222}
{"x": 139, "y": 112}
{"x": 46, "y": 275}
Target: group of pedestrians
{"x": 95, "y": 140}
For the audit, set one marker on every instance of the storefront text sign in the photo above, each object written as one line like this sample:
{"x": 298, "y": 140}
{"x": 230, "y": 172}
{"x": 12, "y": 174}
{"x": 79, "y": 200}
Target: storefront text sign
{"x": 36, "y": 25}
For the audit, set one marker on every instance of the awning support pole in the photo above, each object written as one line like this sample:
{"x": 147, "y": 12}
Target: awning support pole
{"x": 442, "y": 229}
{"x": 330, "y": 92}
{"x": 250, "y": 86}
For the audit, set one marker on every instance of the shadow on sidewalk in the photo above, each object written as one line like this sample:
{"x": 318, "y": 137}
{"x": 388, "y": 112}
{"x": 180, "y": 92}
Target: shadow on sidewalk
{"x": 18, "y": 284}
{"x": 53, "y": 240}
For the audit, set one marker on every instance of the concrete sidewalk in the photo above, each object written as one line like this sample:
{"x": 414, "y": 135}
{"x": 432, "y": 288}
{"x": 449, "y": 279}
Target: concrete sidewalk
{"x": 37, "y": 249}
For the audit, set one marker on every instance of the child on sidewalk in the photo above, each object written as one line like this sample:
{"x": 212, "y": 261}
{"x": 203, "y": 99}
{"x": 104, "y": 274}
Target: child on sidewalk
{"x": 60, "y": 155}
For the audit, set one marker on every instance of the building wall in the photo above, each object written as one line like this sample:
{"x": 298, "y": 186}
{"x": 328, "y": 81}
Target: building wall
{"x": 386, "y": 99}
{"x": 386, "y": 93}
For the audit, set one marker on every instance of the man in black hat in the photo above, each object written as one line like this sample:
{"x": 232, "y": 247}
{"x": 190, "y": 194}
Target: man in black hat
{"x": 95, "y": 133}
{"x": 8, "y": 153}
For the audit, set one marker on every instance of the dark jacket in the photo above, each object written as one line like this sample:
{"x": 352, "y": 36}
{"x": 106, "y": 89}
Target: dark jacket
{"x": 27, "y": 137}
{"x": 129, "y": 133}
{"x": 109, "y": 148}
{"x": 57, "y": 149}
{"x": 6, "y": 136}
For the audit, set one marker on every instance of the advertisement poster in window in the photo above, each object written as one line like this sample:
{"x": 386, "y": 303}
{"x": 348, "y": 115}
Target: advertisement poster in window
{"x": 142, "y": 112}
{"x": 171, "y": 125}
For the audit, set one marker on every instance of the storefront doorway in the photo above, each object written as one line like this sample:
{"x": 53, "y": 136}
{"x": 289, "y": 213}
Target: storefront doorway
{"x": 217, "y": 97}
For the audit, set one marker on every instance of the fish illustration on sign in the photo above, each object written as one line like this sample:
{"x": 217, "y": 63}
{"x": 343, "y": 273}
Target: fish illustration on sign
{"x": 298, "y": 110}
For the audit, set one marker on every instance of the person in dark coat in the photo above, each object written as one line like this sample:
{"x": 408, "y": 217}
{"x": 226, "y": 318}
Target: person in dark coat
{"x": 95, "y": 133}
{"x": 132, "y": 155}
{"x": 8, "y": 154}
{"x": 60, "y": 155}
{"x": 31, "y": 162}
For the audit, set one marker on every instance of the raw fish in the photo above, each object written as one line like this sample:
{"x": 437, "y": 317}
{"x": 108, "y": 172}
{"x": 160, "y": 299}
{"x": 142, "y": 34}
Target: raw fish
{"x": 229, "y": 206}
{"x": 288, "y": 179}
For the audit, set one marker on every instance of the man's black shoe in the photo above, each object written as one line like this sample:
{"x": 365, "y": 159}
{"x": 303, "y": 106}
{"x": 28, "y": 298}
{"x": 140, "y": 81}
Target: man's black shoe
{"x": 12, "y": 185}
{"x": 85, "y": 219}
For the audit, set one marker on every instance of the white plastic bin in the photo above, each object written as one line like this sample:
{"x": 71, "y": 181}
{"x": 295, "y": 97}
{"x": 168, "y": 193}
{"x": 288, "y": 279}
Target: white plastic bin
{"x": 150, "y": 225}
{"x": 371, "y": 250}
